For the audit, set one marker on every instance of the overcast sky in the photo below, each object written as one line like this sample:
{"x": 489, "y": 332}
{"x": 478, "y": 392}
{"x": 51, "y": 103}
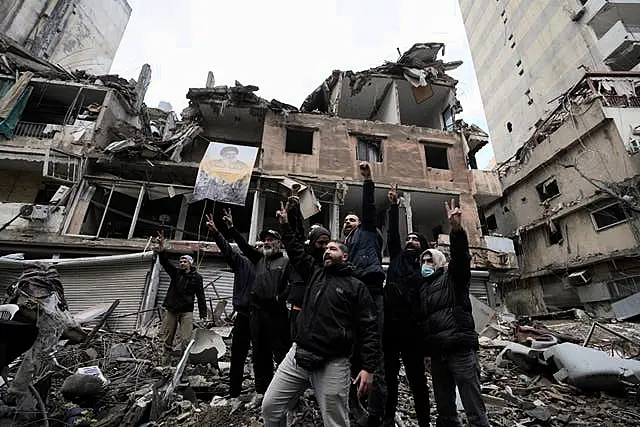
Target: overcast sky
{"x": 286, "y": 47}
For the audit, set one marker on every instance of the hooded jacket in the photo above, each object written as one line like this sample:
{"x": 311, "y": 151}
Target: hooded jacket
{"x": 402, "y": 290}
{"x": 183, "y": 289}
{"x": 297, "y": 285}
{"x": 365, "y": 243}
{"x": 269, "y": 287}
{"x": 446, "y": 318}
{"x": 337, "y": 309}
{"x": 243, "y": 273}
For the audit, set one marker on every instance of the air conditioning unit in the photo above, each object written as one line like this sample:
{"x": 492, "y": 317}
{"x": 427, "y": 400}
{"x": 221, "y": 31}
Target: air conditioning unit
{"x": 579, "y": 278}
{"x": 633, "y": 147}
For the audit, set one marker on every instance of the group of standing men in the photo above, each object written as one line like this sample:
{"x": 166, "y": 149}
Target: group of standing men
{"x": 347, "y": 330}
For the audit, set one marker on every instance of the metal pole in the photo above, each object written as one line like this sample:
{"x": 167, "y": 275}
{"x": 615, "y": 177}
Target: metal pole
{"x": 137, "y": 212}
{"x": 106, "y": 209}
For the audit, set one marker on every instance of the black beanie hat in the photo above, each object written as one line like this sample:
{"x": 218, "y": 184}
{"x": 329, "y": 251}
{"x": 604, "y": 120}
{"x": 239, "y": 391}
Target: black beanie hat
{"x": 424, "y": 243}
{"x": 316, "y": 232}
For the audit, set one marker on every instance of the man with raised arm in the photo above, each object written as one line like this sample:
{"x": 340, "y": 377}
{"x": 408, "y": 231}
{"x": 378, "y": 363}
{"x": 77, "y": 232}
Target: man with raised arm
{"x": 448, "y": 328}
{"x": 336, "y": 316}
{"x": 269, "y": 316}
{"x": 364, "y": 245}
{"x": 243, "y": 276}
{"x": 401, "y": 334}
{"x": 185, "y": 286}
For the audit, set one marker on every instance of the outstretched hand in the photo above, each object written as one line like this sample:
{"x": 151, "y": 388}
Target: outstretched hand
{"x": 227, "y": 218}
{"x": 281, "y": 214}
{"x": 365, "y": 170}
{"x": 393, "y": 194}
{"x": 160, "y": 241}
{"x": 454, "y": 214}
{"x": 211, "y": 225}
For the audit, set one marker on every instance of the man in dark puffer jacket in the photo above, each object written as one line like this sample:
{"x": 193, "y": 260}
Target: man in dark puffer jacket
{"x": 449, "y": 330}
{"x": 336, "y": 316}
{"x": 401, "y": 334}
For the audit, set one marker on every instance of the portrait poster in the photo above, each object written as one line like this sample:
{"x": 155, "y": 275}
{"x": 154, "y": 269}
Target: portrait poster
{"x": 225, "y": 173}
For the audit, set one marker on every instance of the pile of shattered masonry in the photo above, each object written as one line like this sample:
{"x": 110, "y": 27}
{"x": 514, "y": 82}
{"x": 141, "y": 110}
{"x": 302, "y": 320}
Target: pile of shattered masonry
{"x": 559, "y": 369}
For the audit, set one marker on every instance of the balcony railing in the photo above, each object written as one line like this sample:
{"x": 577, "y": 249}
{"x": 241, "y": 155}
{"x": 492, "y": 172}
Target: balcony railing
{"x": 33, "y": 130}
{"x": 622, "y": 101}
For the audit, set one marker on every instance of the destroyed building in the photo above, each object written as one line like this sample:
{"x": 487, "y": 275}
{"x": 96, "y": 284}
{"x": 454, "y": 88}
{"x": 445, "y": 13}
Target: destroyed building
{"x": 571, "y": 203}
{"x": 80, "y": 34}
{"x": 561, "y": 99}
{"x": 526, "y": 53}
{"x": 90, "y": 171}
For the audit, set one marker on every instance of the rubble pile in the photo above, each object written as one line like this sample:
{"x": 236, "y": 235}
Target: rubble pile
{"x": 520, "y": 389}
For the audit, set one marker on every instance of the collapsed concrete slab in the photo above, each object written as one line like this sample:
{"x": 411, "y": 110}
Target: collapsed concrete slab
{"x": 591, "y": 369}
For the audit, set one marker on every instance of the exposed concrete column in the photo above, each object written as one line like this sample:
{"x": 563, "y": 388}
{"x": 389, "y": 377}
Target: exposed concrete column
{"x": 182, "y": 218}
{"x": 408, "y": 211}
{"x": 334, "y": 217}
{"x": 257, "y": 215}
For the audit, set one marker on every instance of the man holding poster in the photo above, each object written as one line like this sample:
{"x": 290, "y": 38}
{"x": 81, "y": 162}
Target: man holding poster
{"x": 225, "y": 173}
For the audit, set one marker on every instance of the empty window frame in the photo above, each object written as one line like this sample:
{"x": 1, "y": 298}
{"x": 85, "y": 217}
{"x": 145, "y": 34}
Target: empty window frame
{"x": 548, "y": 189}
{"x": 369, "y": 149}
{"x": 492, "y": 224}
{"x": 299, "y": 141}
{"x": 437, "y": 156}
{"x": 448, "y": 119}
{"x": 608, "y": 216}
{"x": 554, "y": 233}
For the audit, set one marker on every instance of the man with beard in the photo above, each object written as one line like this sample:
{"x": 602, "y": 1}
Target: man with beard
{"x": 243, "y": 276}
{"x": 401, "y": 333}
{"x": 269, "y": 316}
{"x": 336, "y": 317}
{"x": 185, "y": 286}
{"x": 449, "y": 330}
{"x": 364, "y": 245}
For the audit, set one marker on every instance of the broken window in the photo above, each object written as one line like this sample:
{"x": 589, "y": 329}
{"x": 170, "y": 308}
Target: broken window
{"x": 554, "y": 234}
{"x": 437, "y": 156}
{"x": 299, "y": 141}
{"x": 492, "y": 224}
{"x": 608, "y": 216}
{"x": 60, "y": 166}
{"x": 369, "y": 149}
{"x": 548, "y": 189}
{"x": 448, "y": 119}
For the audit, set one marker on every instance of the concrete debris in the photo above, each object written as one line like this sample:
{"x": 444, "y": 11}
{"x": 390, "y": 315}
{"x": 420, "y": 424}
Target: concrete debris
{"x": 207, "y": 348}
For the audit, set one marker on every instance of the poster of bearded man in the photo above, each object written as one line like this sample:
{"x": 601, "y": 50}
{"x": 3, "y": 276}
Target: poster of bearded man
{"x": 225, "y": 173}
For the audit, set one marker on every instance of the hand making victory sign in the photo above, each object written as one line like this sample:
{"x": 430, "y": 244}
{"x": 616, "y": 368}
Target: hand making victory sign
{"x": 454, "y": 214}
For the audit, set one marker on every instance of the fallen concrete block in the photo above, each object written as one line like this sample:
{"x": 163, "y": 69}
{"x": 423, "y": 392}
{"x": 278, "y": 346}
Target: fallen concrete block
{"x": 591, "y": 369}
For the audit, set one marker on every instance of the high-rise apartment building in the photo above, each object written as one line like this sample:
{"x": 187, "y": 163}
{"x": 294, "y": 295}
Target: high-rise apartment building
{"x": 526, "y": 53}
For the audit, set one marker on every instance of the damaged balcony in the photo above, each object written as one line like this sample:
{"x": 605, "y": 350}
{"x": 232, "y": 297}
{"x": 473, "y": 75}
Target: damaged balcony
{"x": 50, "y": 113}
{"x": 620, "y": 46}
{"x": 602, "y": 15}
{"x": 415, "y": 90}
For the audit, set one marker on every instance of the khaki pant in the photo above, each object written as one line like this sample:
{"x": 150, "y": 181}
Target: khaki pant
{"x": 181, "y": 322}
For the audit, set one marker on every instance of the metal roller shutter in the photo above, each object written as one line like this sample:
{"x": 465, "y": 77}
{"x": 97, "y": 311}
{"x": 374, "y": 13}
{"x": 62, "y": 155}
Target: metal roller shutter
{"x": 211, "y": 269}
{"x": 91, "y": 281}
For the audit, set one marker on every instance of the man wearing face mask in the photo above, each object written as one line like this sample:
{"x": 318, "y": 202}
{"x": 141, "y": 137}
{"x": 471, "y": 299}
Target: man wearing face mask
{"x": 401, "y": 333}
{"x": 448, "y": 328}
{"x": 270, "y": 337}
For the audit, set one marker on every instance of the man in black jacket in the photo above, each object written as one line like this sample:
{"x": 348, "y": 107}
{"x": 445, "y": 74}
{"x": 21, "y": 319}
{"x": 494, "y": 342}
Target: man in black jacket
{"x": 364, "y": 245}
{"x": 401, "y": 333}
{"x": 244, "y": 275}
{"x": 336, "y": 316}
{"x": 449, "y": 330}
{"x": 186, "y": 284}
{"x": 270, "y": 335}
